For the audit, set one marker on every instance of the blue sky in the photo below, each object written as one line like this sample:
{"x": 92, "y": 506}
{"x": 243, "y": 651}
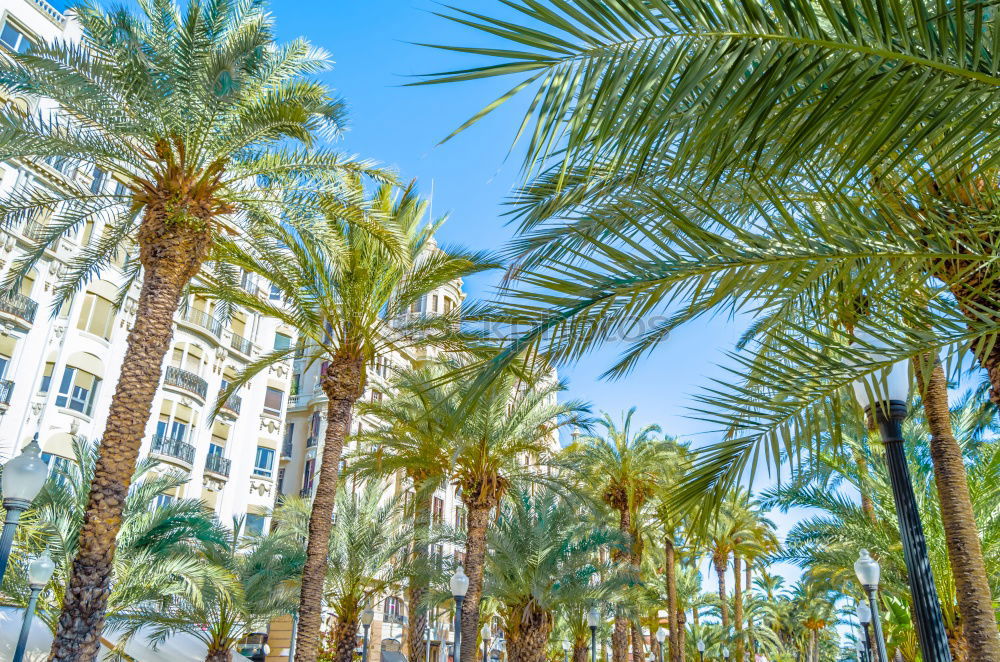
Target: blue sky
{"x": 471, "y": 175}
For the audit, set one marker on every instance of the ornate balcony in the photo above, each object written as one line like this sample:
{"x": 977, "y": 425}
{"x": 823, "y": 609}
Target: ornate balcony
{"x": 312, "y": 441}
{"x": 6, "y": 391}
{"x": 286, "y": 449}
{"x": 19, "y": 306}
{"x": 241, "y": 345}
{"x": 186, "y": 380}
{"x": 174, "y": 448}
{"x": 203, "y": 320}
{"x": 217, "y": 464}
{"x": 232, "y": 404}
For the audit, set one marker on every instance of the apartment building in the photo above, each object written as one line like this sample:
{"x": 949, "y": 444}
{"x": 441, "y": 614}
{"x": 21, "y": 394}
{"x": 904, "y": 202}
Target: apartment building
{"x": 58, "y": 369}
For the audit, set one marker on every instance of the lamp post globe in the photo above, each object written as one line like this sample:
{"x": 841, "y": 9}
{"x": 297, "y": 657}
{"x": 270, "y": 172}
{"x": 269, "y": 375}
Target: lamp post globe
{"x": 593, "y": 620}
{"x": 565, "y": 647}
{"x": 884, "y": 397}
{"x": 725, "y": 652}
{"x": 22, "y": 480}
{"x": 459, "y": 584}
{"x": 661, "y": 636}
{"x": 39, "y": 573}
{"x": 486, "y": 635}
{"x": 869, "y": 572}
{"x": 367, "y": 616}
{"x": 701, "y": 649}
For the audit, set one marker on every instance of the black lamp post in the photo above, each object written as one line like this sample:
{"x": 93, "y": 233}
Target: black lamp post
{"x": 23, "y": 477}
{"x": 459, "y": 587}
{"x": 701, "y": 650}
{"x": 889, "y": 411}
{"x": 367, "y": 616}
{"x": 865, "y": 618}
{"x": 39, "y": 573}
{"x": 593, "y": 619}
{"x": 869, "y": 572}
{"x": 661, "y": 636}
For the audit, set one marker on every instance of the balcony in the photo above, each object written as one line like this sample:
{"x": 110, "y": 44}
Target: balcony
{"x": 203, "y": 320}
{"x": 174, "y": 448}
{"x": 286, "y": 449}
{"x": 312, "y": 441}
{"x": 241, "y": 345}
{"x": 6, "y": 391}
{"x": 217, "y": 464}
{"x": 398, "y": 619}
{"x": 19, "y": 306}
{"x": 305, "y": 492}
{"x": 232, "y": 404}
{"x": 186, "y": 380}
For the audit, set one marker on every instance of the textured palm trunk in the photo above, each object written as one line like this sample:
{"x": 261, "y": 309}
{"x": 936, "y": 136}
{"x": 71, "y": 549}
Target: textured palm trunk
{"x": 720, "y": 572}
{"x": 638, "y": 644}
{"x": 681, "y": 622}
{"x": 345, "y": 638}
{"x": 671, "y": 572}
{"x": 957, "y": 645}
{"x": 747, "y": 588}
{"x": 867, "y": 505}
{"x": 979, "y": 623}
{"x": 621, "y": 557}
{"x": 416, "y": 589}
{"x": 343, "y": 383}
{"x": 529, "y": 641}
{"x": 580, "y": 652}
{"x": 694, "y": 616}
{"x": 475, "y": 557}
{"x": 738, "y": 604}
{"x": 171, "y": 254}
{"x": 219, "y": 655}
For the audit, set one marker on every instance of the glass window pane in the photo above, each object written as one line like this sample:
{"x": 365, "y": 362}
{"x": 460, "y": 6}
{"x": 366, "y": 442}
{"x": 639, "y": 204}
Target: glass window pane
{"x": 281, "y": 341}
{"x": 272, "y": 399}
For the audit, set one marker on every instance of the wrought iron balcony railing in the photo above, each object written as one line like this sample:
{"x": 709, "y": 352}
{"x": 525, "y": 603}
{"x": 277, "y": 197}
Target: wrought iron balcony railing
{"x": 186, "y": 380}
{"x": 6, "y": 391}
{"x": 19, "y": 305}
{"x": 202, "y": 319}
{"x": 241, "y": 344}
{"x": 232, "y": 403}
{"x": 174, "y": 448}
{"x": 218, "y": 465}
{"x": 312, "y": 441}
{"x": 286, "y": 449}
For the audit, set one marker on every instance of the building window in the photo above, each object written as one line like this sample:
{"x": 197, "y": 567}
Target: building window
{"x": 437, "y": 511}
{"x": 121, "y": 190}
{"x": 4, "y": 362}
{"x": 77, "y": 390}
{"x": 175, "y": 429}
{"x": 254, "y": 525}
{"x": 97, "y": 182}
{"x": 275, "y": 293}
{"x": 58, "y": 467}
{"x": 460, "y": 518}
{"x": 264, "y": 462}
{"x": 47, "y": 377}
{"x": 436, "y": 554}
{"x": 97, "y": 316}
{"x": 282, "y": 341}
{"x": 392, "y": 609}
{"x": 307, "y": 475}
{"x": 272, "y": 401}
{"x": 281, "y": 480}
{"x": 14, "y": 38}
{"x": 162, "y": 500}
{"x": 215, "y": 450}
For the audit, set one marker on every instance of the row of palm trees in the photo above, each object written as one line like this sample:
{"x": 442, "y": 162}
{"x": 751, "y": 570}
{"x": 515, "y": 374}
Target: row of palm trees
{"x": 827, "y": 171}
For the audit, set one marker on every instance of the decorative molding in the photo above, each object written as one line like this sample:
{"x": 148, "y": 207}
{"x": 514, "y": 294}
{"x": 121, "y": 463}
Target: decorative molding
{"x": 272, "y": 425}
{"x": 262, "y": 486}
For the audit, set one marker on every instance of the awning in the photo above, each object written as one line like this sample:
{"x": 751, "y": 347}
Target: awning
{"x": 178, "y": 648}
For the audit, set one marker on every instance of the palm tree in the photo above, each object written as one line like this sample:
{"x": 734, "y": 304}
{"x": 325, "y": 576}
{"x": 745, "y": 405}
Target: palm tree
{"x": 642, "y": 232}
{"x": 409, "y": 437}
{"x": 621, "y": 469}
{"x": 349, "y": 289}
{"x": 157, "y": 544}
{"x": 198, "y": 112}
{"x": 364, "y": 551}
{"x": 542, "y": 558}
{"x": 257, "y": 580}
{"x": 814, "y": 606}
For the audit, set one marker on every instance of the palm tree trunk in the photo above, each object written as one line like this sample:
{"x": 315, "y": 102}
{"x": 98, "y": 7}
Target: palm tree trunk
{"x": 748, "y": 589}
{"x": 957, "y": 645}
{"x": 171, "y": 254}
{"x": 720, "y": 572}
{"x": 694, "y": 616}
{"x": 416, "y": 588}
{"x": 867, "y": 505}
{"x": 979, "y": 623}
{"x": 343, "y": 384}
{"x": 219, "y": 655}
{"x": 671, "y": 571}
{"x": 638, "y": 647}
{"x": 345, "y": 640}
{"x": 681, "y": 623}
{"x": 580, "y": 651}
{"x": 475, "y": 557}
{"x": 738, "y": 603}
{"x": 621, "y": 557}
{"x": 529, "y": 641}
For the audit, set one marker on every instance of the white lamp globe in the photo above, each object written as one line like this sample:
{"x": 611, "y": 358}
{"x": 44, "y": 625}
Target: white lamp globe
{"x": 565, "y": 645}
{"x": 24, "y": 474}
{"x": 661, "y": 635}
{"x": 485, "y": 633}
{"x": 40, "y": 571}
{"x": 725, "y": 651}
{"x": 593, "y": 617}
{"x": 892, "y": 383}
{"x": 701, "y": 645}
{"x": 367, "y": 616}
{"x": 867, "y": 569}
{"x": 459, "y": 583}
{"x": 864, "y": 613}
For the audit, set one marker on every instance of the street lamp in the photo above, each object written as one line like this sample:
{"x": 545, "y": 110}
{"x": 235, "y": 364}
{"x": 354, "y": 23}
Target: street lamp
{"x": 486, "y": 635}
{"x": 23, "y": 477}
{"x": 661, "y": 636}
{"x": 725, "y": 653}
{"x": 701, "y": 650}
{"x": 367, "y": 616}
{"x": 865, "y": 618}
{"x": 868, "y": 571}
{"x": 565, "y": 647}
{"x": 593, "y": 619}
{"x": 862, "y": 656}
{"x": 459, "y": 587}
{"x": 39, "y": 573}
{"x": 889, "y": 413}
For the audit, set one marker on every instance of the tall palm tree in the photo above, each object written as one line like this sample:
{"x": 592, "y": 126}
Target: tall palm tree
{"x": 365, "y": 559}
{"x": 621, "y": 469}
{"x": 257, "y": 581}
{"x": 542, "y": 557}
{"x": 202, "y": 116}
{"x": 626, "y": 151}
{"x": 408, "y": 437}
{"x": 157, "y": 544}
{"x": 349, "y": 288}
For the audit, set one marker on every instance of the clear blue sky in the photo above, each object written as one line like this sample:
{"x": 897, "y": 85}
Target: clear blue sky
{"x": 370, "y": 42}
